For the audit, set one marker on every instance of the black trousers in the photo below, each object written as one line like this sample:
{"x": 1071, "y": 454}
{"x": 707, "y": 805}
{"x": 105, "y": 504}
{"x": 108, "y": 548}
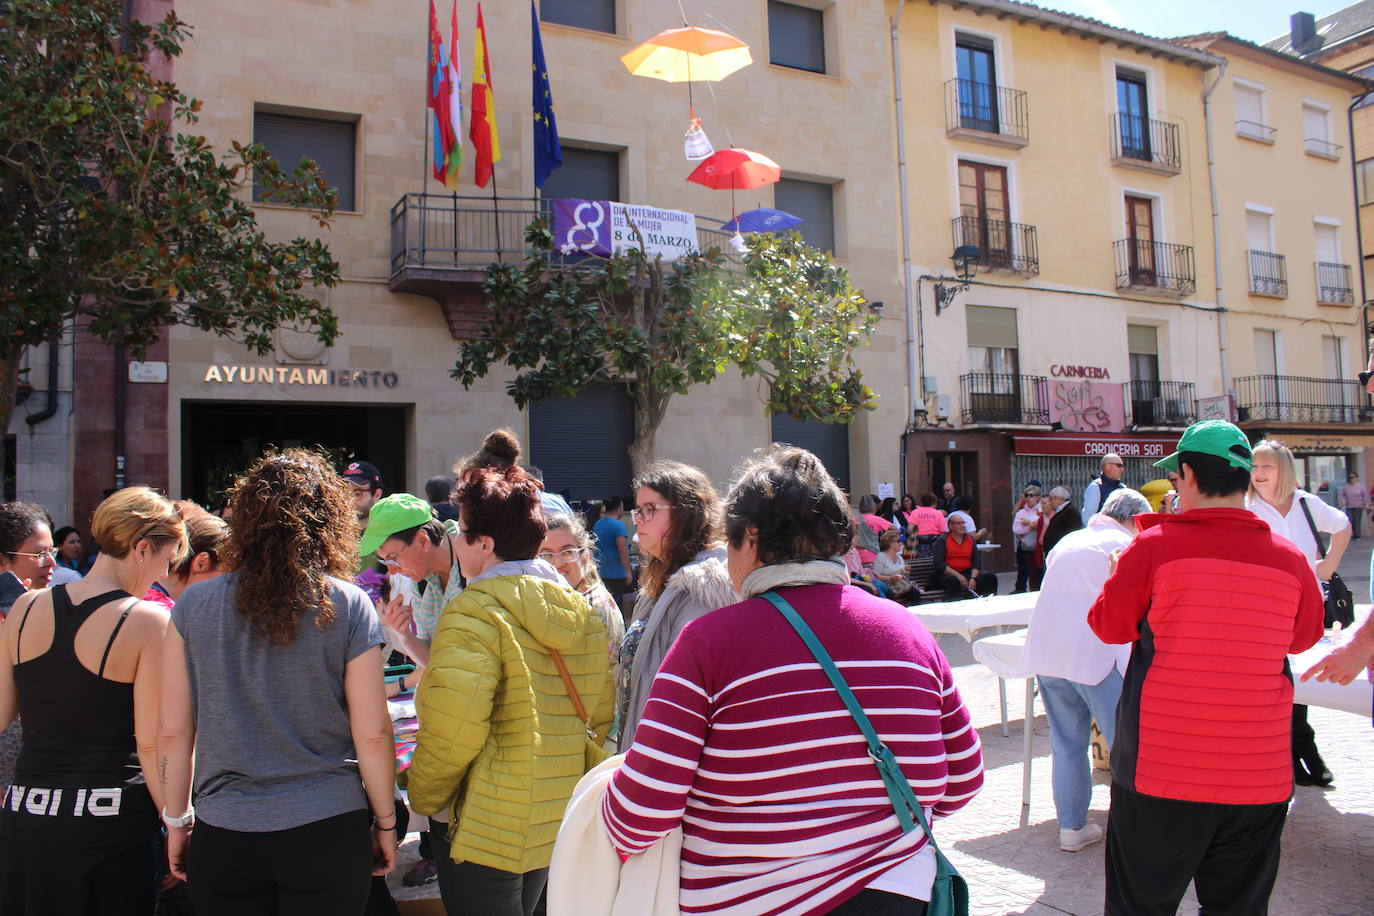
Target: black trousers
{"x": 1026, "y": 570}
{"x": 985, "y": 585}
{"x": 879, "y": 903}
{"x": 321, "y": 867}
{"x": 470, "y": 889}
{"x": 1155, "y": 846}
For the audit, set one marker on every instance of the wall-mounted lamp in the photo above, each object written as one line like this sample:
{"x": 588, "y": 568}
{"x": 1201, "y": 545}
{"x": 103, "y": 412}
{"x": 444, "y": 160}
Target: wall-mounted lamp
{"x": 966, "y": 260}
{"x": 876, "y": 308}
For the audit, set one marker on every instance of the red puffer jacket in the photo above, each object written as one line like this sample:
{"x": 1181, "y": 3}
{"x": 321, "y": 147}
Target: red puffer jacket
{"x": 1214, "y": 603}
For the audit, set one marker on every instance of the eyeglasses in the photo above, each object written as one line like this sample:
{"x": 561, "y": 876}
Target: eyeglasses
{"x": 49, "y": 555}
{"x": 1031, "y": 494}
{"x": 1116, "y": 464}
{"x": 647, "y": 511}
{"x": 392, "y": 560}
{"x": 566, "y": 555}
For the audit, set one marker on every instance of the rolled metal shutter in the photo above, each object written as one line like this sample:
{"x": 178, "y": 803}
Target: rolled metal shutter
{"x": 331, "y": 144}
{"x": 827, "y": 441}
{"x": 581, "y": 443}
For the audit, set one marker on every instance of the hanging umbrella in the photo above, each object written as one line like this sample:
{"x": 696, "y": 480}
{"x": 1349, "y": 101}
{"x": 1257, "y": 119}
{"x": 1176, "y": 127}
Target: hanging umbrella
{"x": 736, "y": 168}
{"x": 763, "y": 219}
{"x": 688, "y": 54}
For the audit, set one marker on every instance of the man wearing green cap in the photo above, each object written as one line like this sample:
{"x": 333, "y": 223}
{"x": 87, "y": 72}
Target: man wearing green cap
{"x": 407, "y": 537}
{"x": 1212, "y": 602}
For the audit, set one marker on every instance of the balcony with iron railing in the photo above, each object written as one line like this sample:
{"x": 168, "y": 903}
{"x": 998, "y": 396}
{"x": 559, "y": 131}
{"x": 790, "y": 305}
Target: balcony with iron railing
{"x": 1334, "y": 284}
{"x": 1001, "y": 245}
{"x": 1145, "y": 144}
{"x": 1322, "y": 148}
{"x": 1298, "y": 399}
{"x": 987, "y": 113}
{"x": 1152, "y": 403}
{"x": 1005, "y": 398}
{"x": 1268, "y": 274}
{"x": 1160, "y": 268}
{"x": 1254, "y": 130}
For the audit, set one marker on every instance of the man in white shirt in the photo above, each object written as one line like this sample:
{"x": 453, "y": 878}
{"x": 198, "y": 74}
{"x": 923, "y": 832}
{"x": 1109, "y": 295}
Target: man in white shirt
{"x": 1080, "y": 676}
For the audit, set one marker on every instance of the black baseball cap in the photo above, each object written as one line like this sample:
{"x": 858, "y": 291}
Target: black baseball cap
{"x": 364, "y": 475}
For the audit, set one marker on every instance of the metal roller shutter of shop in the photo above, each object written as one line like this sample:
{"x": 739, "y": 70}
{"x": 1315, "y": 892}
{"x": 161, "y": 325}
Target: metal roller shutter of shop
{"x": 827, "y": 441}
{"x": 581, "y": 443}
{"x": 1075, "y": 473}
{"x": 331, "y": 144}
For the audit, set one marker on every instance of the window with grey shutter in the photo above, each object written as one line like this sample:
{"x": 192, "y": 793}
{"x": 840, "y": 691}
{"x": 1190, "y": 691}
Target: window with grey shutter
{"x": 597, "y": 15}
{"x": 589, "y": 174}
{"x": 331, "y": 144}
{"x": 796, "y": 36}
{"x": 827, "y": 441}
{"x": 582, "y": 443}
{"x": 814, "y": 202}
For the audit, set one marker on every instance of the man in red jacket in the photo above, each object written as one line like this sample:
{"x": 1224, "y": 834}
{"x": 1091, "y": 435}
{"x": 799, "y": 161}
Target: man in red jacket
{"x": 1201, "y": 768}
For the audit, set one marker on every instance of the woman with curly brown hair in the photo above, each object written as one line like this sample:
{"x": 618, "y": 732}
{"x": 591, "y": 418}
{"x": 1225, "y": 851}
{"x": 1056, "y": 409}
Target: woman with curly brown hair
{"x": 678, "y": 524}
{"x": 273, "y": 677}
{"x": 80, "y": 663}
{"x": 518, "y": 676}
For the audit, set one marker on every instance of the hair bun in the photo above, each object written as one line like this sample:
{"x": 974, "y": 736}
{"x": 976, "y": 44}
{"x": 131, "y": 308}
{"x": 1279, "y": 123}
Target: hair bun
{"x": 503, "y": 445}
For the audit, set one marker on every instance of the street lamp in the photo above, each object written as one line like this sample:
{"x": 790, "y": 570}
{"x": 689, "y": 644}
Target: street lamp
{"x": 966, "y": 260}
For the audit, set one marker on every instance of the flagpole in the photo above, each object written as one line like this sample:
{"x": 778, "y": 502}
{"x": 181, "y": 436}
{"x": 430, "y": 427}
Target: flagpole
{"x": 424, "y": 173}
{"x": 495, "y": 212}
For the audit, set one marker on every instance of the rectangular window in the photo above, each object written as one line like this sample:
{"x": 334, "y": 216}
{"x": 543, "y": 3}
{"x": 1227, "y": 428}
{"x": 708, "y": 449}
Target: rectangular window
{"x": 331, "y": 143}
{"x": 1147, "y": 405}
{"x": 796, "y": 36}
{"x": 977, "y": 83}
{"x": 1364, "y": 179}
{"x": 984, "y": 217}
{"x": 1328, "y": 238}
{"x": 814, "y": 202}
{"x": 1316, "y": 131}
{"x": 1258, "y": 230}
{"x": 1140, "y": 236}
{"x": 1368, "y": 74}
{"x": 586, "y": 173}
{"x": 992, "y": 346}
{"x": 1333, "y": 356}
{"x": 1266, "y": 353}
{"x": 597, "y": 15}
{"x": 1133, "y": 113}
{"x": 1250, "y": 113}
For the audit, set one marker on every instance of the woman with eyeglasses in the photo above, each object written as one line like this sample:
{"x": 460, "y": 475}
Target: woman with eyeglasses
{"x": 678, "y": 524}
{"x": 1025, "y": 525}
{"x": 82, "y": 664}
{"x": 568, "y": 547}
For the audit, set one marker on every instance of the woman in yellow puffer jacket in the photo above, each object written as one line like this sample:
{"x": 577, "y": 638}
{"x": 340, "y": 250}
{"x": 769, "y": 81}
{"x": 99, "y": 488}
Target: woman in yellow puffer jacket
{"x": 500, "y": 745}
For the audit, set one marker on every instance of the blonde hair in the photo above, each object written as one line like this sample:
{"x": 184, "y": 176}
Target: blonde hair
{"x": 1282, "y": 456}
{"x": 888, "y": 536}
{"x": 135, "y": 514}
{"x": 562, "y": 521}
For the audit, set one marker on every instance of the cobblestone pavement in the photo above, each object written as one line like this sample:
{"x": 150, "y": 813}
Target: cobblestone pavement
{"x": 1328, "y": 845}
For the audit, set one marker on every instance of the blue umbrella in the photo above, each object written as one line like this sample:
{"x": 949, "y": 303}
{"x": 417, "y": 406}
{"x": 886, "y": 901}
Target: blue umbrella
{"x": 762, "y": 220}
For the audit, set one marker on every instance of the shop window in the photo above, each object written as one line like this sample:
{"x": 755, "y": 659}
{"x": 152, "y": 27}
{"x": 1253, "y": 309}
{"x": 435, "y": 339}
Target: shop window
{"x": 597, "y": 15}
{"x": 796, "y": 36}
{"x": 827, "y": 441}
{"x": 331, "y": 143}
{"x": 814, "y": 202}
{"x": 589, "y": 174}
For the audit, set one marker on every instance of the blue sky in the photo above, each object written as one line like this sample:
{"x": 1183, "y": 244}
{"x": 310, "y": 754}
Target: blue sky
{"x": 1254, "y": 20}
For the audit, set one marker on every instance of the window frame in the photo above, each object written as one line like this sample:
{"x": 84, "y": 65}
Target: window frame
{"x": 354, "y": 121}
{"x": 825, "y": 11}
{"x": 617, "y": 11}
{"x": 836, "y": 211}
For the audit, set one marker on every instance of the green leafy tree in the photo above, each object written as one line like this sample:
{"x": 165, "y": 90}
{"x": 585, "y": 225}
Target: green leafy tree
{"x": 114, "y": 217}
{"x": 790, "y": 317}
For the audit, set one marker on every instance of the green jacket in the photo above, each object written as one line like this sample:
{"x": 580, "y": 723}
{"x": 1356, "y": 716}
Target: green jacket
{"x": 500, "y": 745}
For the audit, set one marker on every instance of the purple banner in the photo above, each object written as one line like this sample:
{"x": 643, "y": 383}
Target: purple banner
{"x": 582, "y": 227}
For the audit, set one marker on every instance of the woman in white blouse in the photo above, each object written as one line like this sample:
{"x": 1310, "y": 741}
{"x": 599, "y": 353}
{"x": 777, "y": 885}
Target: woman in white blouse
{"x": 1275, "y": 498}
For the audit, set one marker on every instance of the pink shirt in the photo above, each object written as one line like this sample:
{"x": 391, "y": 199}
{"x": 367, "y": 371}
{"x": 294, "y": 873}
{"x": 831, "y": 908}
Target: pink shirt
{"x": 928, "y": 520}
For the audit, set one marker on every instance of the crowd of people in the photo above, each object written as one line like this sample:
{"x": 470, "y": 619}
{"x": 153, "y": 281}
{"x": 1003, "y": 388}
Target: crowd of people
{"x": 206, "y": 707}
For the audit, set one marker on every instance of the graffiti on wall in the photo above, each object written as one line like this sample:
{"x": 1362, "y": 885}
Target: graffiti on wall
{"x": 1087, "y": 407}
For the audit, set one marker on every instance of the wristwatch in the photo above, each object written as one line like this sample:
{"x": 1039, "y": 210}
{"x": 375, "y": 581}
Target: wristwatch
{"x": 186, "y": 820}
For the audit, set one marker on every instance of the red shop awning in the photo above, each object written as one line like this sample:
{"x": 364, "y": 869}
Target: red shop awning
{"x": 1127, "y": 445}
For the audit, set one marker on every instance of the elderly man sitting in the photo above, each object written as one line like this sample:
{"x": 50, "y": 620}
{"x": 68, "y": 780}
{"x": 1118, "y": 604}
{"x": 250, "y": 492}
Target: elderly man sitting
{"x": 1080, "y": 676}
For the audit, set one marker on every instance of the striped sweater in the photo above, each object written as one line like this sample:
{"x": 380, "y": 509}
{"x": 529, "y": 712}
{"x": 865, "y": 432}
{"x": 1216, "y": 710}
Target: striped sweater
{"x": 746, "y": 746}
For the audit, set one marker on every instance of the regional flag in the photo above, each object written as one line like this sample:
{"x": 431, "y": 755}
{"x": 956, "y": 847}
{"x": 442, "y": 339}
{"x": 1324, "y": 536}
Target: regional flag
{"x": 548, "y": 153}
{"x": 482, "y": 129}
{"x": 454, "y": 159}
{"x": 440, "y": 96}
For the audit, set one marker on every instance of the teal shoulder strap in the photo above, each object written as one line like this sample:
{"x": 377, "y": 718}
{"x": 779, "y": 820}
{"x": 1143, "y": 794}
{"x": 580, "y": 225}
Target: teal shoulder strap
{"x": 904, "y": 801}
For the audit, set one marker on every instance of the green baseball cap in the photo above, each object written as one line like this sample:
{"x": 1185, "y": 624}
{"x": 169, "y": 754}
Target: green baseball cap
{"x": 397, "y": 512}
{"x": 1212, "y": 437}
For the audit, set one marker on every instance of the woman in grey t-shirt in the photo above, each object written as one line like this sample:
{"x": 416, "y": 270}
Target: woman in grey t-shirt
{"x": 273, "y": 677}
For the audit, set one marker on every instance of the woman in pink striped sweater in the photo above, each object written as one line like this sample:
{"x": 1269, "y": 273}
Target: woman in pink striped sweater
{"x": 746, "y": 746}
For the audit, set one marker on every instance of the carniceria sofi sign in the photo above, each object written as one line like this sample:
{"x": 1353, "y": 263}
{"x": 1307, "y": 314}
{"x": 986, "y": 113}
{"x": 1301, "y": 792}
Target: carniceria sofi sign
{"x": 293, "y": 375}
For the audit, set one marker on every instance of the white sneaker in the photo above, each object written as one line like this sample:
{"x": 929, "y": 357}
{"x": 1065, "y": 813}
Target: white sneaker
{"x": 1080, "y": 839}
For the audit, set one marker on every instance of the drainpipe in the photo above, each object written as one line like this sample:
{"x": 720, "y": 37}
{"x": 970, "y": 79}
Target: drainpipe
{"x": 1225, "y": 358}
{"x": 54, "y": 351}
{"x": 1359, "y": 230}
{"x": 914, "y": 316}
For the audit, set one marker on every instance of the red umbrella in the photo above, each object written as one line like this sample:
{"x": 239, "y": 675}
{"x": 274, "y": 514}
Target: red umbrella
{"x": 736, "y": 168}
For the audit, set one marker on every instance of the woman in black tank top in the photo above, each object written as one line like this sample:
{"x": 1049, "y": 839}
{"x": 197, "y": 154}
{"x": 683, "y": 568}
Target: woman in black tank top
{"x": 80, "y": 665}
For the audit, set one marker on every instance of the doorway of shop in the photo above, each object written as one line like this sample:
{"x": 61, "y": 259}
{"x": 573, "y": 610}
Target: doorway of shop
{"x": 219, "y": 440}
{"x": 958, "y": 468}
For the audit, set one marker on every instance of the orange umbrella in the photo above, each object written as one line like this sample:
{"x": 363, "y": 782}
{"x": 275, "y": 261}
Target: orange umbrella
{"x": 687, "y": 54}
{"x": 736, "y": 168}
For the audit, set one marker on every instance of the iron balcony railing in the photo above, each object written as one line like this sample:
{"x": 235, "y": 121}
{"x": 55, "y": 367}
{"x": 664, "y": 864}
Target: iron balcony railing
{"x": 1268, "y": 273}
{"x": 1256, "y": 131}
{"x": 1002, "y": 245}
{"x": 972, "y": 105}
{"x": 1303, "y": 400}
{"x": 1334, "y": 284}
{"x": 1153, "y": 403}
{"x": 995, "y": 397}
{"x": 1319, "y": 146}
{"x": 454, "y": 231}
{"x": 1145, "y": 139}
{"x": 1160, "y": 266}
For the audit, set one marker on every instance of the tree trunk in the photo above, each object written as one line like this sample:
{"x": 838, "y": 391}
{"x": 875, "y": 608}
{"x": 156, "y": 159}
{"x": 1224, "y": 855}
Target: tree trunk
{"x": 651, "y": 405}
{"x": 10, "y": 358}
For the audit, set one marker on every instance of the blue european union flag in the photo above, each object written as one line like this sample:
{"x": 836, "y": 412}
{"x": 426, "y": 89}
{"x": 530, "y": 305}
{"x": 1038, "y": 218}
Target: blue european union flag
{"x": 548, "y": 153}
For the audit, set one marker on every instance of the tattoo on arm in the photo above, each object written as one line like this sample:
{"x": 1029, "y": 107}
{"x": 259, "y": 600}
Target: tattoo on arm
{"x": 162, "y": 770}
